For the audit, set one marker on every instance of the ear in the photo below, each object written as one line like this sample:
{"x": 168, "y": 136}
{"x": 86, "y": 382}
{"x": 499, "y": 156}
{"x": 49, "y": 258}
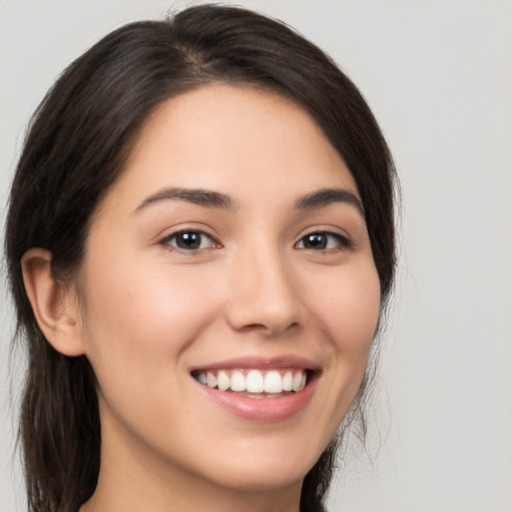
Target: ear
{"x": 55, "y": 307}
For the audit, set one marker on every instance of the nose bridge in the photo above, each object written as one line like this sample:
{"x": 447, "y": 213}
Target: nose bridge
{"x": 264, "y": 291}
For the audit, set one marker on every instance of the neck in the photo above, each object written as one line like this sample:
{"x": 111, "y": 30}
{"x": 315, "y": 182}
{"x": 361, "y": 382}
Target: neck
{"x": 122, "y": 494}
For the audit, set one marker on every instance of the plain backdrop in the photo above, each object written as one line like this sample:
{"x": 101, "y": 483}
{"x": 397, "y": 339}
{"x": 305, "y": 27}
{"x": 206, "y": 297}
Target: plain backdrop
{"x": 438, "y": 75}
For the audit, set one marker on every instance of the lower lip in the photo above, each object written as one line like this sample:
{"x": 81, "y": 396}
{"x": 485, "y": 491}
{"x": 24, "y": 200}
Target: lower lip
{"x": 262, "y": 409}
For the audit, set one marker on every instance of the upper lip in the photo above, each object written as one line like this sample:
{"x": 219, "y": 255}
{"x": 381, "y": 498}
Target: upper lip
{"x": 261, "y": 363}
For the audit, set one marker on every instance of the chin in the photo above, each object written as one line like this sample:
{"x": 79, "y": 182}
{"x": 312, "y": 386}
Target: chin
{"x": 267, "y": 478}
{"x": 269, "y": 466}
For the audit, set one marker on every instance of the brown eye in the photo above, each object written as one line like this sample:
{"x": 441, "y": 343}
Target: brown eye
{"x": 189, "y": 240}
{"x": 320, "y": 241}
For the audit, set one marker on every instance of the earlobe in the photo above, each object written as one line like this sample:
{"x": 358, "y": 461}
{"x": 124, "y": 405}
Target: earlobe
{"x": 54, "y": 307}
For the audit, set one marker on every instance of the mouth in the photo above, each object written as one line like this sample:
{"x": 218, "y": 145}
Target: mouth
{"x": 258, "y": 388}
{"x": 256, "y": 382}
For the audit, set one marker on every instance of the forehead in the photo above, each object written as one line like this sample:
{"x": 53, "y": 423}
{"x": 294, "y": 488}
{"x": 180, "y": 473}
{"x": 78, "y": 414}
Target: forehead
{"x": 240, "y": 140}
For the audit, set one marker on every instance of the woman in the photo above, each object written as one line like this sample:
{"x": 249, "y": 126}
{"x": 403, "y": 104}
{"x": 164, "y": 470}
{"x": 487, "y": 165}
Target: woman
{"x": 201, "y": 245}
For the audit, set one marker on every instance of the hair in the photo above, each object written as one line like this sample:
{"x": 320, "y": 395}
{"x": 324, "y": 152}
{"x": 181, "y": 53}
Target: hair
{"x": 76, "y": 147}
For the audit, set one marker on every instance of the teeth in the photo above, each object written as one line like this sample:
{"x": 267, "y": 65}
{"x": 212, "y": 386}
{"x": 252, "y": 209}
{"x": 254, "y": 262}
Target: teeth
{"x": 273, "y": 382}
{"x": 223, "y": 381}
{"x": 270, "y": 382}
{"x": 238, "y": 381}
{"x": 287, "y": 381}
{"x": 254, "y": 382}
{"x": 211, "y": 380}
{"x": 297, "y": 381}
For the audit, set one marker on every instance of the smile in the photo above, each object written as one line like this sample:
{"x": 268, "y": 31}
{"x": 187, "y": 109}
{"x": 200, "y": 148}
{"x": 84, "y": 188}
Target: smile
{"x": 259, "y": 388}
{"x": 255, "y": 383}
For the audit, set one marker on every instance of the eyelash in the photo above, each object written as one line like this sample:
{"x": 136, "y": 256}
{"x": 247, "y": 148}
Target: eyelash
{"x": 194, "y": 232}
{"x": 340, "y": 241}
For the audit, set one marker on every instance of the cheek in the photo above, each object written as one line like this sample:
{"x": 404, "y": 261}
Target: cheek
{"x": 345, "y": 306}
{"x": 140, "y": 318}
{"x": 348, "y": 305}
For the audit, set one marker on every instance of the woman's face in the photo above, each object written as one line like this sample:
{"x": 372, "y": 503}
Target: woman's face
{"x": 232, "y": 252}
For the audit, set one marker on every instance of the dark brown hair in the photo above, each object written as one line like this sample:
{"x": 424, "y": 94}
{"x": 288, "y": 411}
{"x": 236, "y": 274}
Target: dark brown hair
{"x": 76, "y": 147}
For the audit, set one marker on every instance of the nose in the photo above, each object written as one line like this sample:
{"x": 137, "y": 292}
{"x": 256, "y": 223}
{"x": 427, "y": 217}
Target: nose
{"x": 264, "y": 294}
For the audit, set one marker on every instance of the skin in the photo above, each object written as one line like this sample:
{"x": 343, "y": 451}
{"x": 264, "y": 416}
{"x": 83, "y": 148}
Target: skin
{"x": 147, "y": 311}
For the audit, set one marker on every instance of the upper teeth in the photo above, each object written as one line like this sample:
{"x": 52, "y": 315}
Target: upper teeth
{"x": 254, "y": 381}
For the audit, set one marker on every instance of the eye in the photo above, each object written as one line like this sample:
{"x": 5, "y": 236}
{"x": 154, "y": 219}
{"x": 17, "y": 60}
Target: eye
{"x": 189, "y": 240}
{"x": 323, "y": 240}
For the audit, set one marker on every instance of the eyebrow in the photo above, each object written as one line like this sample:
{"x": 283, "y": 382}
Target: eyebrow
{"x": 201, "y": 197}
{"x": 325, "y": 197}
{"x": 211, "y": 199}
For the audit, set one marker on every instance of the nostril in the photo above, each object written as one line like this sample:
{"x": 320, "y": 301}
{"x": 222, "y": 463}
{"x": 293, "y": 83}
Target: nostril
{"x": 269, "y": 329}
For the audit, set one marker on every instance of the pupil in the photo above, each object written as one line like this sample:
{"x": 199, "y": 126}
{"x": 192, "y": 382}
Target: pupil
{"x": 189, "y": 240}
{"x": 316, "y": 241}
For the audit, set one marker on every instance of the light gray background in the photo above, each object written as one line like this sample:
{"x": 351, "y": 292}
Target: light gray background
{"x": 438, "y": 75}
